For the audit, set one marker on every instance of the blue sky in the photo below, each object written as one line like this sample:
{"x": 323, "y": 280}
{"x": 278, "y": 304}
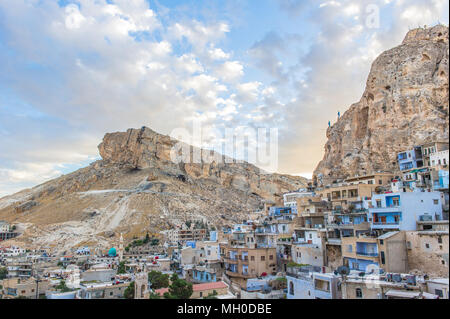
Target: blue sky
{"x": 74, "y": 70}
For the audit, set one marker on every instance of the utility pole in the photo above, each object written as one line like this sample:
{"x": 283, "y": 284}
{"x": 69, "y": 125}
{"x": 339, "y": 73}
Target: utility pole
{"x": 37, "y": 285}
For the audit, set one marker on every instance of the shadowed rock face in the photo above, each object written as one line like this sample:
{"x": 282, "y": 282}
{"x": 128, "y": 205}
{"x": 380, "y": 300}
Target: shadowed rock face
{"x": 405, "y": 103}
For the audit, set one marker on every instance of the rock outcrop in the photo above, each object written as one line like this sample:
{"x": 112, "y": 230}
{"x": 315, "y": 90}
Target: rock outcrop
{"x": 146, "y": 149}
{"x": 137, "y": 188}
{"x": 405, "y": 103}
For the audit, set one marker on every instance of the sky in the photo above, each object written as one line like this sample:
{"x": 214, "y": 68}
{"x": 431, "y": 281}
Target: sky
{"x": 71, "y": 71}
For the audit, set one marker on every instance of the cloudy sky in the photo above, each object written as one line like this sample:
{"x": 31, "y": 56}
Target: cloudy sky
{"x": 72, "y": 70}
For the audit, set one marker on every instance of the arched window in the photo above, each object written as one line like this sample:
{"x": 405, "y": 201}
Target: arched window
{"x": 358, "y": 293}
{"x": 291, "y": 288}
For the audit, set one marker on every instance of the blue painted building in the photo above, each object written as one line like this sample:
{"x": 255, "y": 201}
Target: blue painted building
{"x": 410, "y": 159}
{"x": 204, "y": 275}
{"x": 401, "y": 211}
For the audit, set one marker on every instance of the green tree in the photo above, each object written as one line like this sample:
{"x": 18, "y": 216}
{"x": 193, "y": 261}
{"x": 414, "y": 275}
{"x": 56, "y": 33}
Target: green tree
{"x": 155, "y": 242}
{"x": 154, "y": 296}
{"x": 62, "y": 287}
{"x": 3, "y": 273}
{"x": 213, "y": 295}
{"x": 129, "y": 292}
{"x": 179, "y": 289}
{"x": 121, "y": 269}
{"x": 147, "y": 239}
{"x": 158, "y": 279}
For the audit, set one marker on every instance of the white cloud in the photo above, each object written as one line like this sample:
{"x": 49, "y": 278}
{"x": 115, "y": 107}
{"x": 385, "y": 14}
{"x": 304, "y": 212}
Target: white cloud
{"x": 230, "y": 71}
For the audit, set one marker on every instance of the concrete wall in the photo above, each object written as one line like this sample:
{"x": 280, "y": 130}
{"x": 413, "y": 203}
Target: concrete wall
{"x": 302, "y": 288}
{"x": 308, "y": 254}
{"x": 433, "y": 259}
{"x": 396, "y": 258}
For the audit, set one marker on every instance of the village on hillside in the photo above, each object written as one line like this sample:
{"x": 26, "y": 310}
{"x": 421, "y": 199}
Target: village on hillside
{"x": 377, "y": 236}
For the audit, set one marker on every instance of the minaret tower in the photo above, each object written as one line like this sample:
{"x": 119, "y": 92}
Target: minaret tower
{"x": 120, "y": 248}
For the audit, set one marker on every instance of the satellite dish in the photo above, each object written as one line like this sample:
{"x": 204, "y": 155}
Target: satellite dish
{"x": 343, "y": 270}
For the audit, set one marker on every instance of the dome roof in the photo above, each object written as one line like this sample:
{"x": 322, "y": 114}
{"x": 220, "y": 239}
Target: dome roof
{"x": 112, "y": 252}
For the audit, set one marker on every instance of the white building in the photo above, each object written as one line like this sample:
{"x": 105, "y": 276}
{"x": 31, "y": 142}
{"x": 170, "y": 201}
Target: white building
{"x": 4, "y": 226}
{"x": 290, "y": 199}
{"x": 11, "y": 251}
{"x": 401, "y": 211}
{"x": 313, "y": 285}
{"x": 439, "y": 158}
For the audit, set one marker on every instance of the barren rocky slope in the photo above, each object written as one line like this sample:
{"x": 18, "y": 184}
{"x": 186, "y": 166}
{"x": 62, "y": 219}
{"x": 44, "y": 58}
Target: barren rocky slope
{"x": 136, "y": 188}
{"x": 405, "y": 103}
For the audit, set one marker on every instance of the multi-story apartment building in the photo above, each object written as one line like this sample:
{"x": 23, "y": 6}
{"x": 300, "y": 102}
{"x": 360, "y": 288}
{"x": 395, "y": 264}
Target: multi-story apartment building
{"x": 401, "y": 211}
{"x": 290, "y": 199}
{"x": 344, "y": 195}
{"x": 372, "y": 179}
{"x": 410, "y": 159}
{"x": 440, "y": 159}
{"x": 183, "y": 235}
{"x": 430, "y": 149}
{"x": 308, "y": 246}
{"x": 311, "y": 212}
{"x": 244, "y": 260}
{"x": 23, "y": 287}
{"x": 306, "y": 284}
{"x": 387, "y": 251}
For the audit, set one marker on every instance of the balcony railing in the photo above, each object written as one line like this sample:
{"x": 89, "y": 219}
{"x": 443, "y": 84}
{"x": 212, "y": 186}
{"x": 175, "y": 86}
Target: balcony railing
{"x": 386, "y": 224}
{"x": 363, "y": 253}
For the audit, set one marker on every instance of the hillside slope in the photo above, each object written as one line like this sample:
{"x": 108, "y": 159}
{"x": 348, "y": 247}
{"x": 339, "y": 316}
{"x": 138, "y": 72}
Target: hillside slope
{"x": 136, "y": 188}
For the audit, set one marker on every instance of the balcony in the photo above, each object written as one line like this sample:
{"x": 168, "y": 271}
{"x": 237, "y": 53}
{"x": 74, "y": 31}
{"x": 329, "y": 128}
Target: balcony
{"x": 385, "y": 225}
{"x": 334, "y": 241}
{"x": 231, "y": 260}
{"x": 367, "y": 254}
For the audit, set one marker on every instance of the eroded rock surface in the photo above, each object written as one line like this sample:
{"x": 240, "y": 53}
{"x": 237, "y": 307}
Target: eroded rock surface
{"x": 405, "y": 103}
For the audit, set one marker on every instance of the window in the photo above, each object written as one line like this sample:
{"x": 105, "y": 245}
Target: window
{"x": 111, "y": 293}
{"x": 381, "y": 242}
{"x": 358, "y": 293}
{"x": 383, "y": 261}
{"x": 252, "y": 258}
{"x": 201, "y": 294}
{"x": 440, "y": 240}
{"x": 271, "y": 257}
{"x": 436, "y": 201}
{"x": 263, "y": 258}
{"x": 378, "y": 203}
{"x": 349, "y": 248}
{"x": 439, "y": 293}
{"x": 380, "y": 181}
{"x": 427, "y": 245}
{"x": 291, "y": 288}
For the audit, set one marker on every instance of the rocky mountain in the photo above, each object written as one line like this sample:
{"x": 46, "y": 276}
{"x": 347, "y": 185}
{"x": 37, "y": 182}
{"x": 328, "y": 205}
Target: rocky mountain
{"x": 136, "y": 188}
{"x": 405, "y": 103}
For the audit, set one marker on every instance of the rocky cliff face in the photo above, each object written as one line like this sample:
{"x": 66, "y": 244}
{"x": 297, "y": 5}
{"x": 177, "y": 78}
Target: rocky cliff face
{"x": 405, "y": 103}
{"x": 135, "y": 189}
{"x": 146, "y": 149}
